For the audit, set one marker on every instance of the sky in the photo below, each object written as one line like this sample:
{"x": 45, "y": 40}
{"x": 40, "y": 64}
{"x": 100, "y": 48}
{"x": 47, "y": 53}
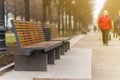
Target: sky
{"x": 98, "y": 5}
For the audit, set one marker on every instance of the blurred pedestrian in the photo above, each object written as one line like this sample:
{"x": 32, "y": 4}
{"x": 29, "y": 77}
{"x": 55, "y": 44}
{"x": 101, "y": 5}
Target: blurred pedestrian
{"x": 95, "y": 28}
{"x": 115, "y": 33}
{"x": 105, "y": 25}
{"x": 117, "y": 25}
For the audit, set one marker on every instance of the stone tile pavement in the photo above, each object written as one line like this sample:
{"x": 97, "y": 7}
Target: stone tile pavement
{"x": 76, "y": 64}
{"x": 105, "y": 59}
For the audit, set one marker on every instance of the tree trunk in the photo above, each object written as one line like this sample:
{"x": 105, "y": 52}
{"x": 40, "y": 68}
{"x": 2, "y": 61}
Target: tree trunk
{"x": 44, "y": 11}
{"x": 59, "y": 19}
{"x": 63, "y": 23}
{"x": 66, "y": 26}
{"x": 70, "y": 27}
{"x": 7, "y": 19}
{"x": 15, "y": 16}
{"x": 27, "y": 10}
{"x": 75, "y": 26}
{"x": 50, "y": 12}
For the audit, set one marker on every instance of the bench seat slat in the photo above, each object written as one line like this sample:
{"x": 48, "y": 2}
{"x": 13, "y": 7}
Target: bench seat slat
{"x": 42, "y": 44}
{"x": 62, "y": 38}
{"x": 46, "y": 46}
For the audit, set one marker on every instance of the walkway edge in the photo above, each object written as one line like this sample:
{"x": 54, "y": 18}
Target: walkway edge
{"x": 6, "y": 68}
{"x": 9, "y": 67}
{"x": 75, "y": 39}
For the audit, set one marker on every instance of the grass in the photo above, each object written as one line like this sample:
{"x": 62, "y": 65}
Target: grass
{"x": 10, "y": 38}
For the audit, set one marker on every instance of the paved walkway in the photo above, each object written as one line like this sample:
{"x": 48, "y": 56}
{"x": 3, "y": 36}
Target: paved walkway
{"x": 74, "y": 65}
{"x": 105, "y": 59}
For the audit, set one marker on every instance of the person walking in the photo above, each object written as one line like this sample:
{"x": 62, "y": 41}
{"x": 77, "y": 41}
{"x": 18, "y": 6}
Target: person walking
{"x": 115, "y": 33}
{"x": 117, "y": 25}
{"x": 105, "y": 24}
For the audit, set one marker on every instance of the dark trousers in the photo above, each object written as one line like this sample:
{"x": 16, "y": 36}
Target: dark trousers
{"x": 105, "y": 35}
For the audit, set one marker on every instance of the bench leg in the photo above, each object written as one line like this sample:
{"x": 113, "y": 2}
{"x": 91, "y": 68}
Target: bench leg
{"x": 66, "y": 49}
{"x": 68, "y": 45}
{"x": 51, "y": 57}
{"x": 57, "y": 53}
{"x": 35, "y": 62}
{"x": 62, "y": 50}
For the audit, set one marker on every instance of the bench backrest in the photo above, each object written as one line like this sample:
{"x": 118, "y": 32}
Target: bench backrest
{"x": 27, "y": 33}
{"x": 54, "y": 30}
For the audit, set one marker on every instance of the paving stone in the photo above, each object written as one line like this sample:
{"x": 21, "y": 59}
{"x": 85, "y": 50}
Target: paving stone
{"x": 74, "y": 65}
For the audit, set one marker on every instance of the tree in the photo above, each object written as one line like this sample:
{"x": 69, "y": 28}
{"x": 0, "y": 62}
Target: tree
{"x": 113, "y": 7}
{"x": 63, "y": 12}
{"x": 83, "y": 13}
{"x": 27, "y": 10}
{"x": 80, "y": 10}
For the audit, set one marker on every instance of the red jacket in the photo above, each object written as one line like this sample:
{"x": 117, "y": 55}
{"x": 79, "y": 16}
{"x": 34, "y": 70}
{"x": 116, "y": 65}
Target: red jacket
{"x": 105, "y": 23}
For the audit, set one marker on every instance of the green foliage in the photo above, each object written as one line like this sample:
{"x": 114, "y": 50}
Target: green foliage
{"x": 84, "y": 11}
{"x": 10, "y": 38}
{"x": 80, "y": 11}
{"x": 113, "y": 6}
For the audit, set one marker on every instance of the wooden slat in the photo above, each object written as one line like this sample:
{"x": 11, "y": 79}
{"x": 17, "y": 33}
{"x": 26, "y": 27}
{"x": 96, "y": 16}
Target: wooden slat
{"x": 29, "y": 32}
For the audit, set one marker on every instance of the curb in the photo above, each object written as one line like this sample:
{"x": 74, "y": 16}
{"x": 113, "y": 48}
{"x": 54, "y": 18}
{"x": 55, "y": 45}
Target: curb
{"x": 75, "y": 39}
{"x": 11, "y": 66}
{"x": 6, "y": 68}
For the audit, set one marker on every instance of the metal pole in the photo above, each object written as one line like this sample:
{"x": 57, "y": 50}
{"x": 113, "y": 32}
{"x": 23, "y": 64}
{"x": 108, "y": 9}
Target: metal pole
{"x": 2, "y": 13}
{"x": 3, "y": 48}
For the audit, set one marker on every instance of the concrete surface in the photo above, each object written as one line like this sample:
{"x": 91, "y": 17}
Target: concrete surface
{"x": 105, "y": 59}
{"x": 74, "y": 65}
{"x": 75, "y": 39}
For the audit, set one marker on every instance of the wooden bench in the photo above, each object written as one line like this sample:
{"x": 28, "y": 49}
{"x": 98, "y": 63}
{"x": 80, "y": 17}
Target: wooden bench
{"x": 55, "y": 37}
{"x": 36, "y": 53}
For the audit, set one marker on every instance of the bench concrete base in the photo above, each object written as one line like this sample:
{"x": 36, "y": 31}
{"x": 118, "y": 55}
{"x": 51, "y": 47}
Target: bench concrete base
{"x": 51, "y": 57}
{"x": 57, "y": 53}
{"x": 62, "y": 50}
{"x": 35, "y": 62}
{"x": 64, "y": 47}
{"x": 68, "y": 45}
